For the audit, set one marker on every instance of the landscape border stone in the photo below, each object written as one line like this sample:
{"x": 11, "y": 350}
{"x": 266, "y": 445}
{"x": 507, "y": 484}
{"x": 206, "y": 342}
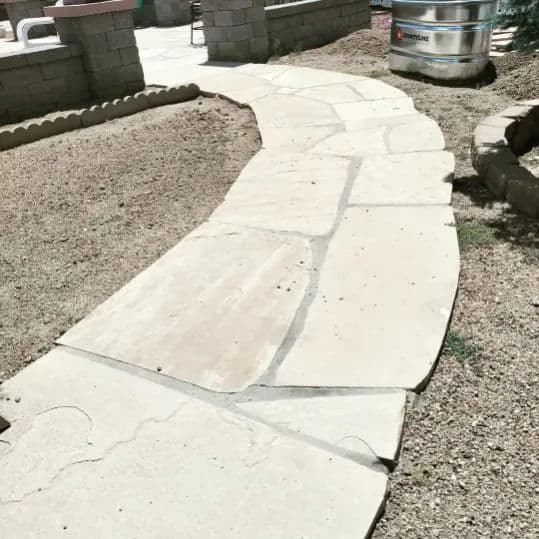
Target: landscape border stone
{"x": 97, "y": 114}
{"x": 497, "y": 142}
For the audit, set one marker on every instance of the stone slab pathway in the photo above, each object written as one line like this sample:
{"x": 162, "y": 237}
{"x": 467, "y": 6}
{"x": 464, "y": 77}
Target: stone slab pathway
{"x": 251, "y": 382}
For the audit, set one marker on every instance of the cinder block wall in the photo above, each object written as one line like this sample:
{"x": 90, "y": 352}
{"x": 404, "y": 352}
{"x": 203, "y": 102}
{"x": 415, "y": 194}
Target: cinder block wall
{"x": 312, "y": 23}
{"x": 110, "y": 53}
{"x": 235, "y": 30}
{"x": 40, "y": 81}
{"x": 251, "y": 31}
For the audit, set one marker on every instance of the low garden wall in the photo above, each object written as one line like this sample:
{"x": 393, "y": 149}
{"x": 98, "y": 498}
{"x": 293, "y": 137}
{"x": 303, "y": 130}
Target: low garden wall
{"x": 250, "y": 30}
{"x": 312, "y": 23}
{"x": 497, "y": 143}
{"x": 97, "y": 59}
{"x": 41, "y": 80}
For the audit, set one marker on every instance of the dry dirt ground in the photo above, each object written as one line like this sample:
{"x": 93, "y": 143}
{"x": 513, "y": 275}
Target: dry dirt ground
{"x": 84, "y": 212}
{"x": 470, "y": 458}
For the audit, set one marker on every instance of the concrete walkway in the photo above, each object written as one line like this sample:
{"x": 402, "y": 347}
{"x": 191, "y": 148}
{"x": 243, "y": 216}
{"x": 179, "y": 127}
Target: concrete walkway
{"x": 169, "y": 58}
{"x": 251, "y": 382}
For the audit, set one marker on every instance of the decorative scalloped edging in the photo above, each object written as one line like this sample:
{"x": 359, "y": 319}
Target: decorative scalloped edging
{"x": 496, "y": 144}
{"x": 98, "y": 114}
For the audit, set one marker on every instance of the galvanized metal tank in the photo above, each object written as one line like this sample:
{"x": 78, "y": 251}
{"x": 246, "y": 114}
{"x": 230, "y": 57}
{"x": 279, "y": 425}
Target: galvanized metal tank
{"x": 442, "y": 39}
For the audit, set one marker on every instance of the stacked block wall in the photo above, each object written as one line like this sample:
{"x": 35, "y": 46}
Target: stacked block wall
{"x": 40, "y": 81}
{"x": 235, "y": 30}
{"x": 312, "y": 23}
{"x": 110, "y": 53}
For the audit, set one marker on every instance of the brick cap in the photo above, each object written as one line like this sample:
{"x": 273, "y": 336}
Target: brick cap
{"x": 83, "y": 10}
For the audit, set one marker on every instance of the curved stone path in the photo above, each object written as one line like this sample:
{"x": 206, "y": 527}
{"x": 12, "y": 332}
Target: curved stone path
{"x": 251, "y": 382}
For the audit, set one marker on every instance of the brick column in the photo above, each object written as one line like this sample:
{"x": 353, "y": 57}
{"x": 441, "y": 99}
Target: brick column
{"x": 236, "y": 30}
{"x": 106, "y": 32}
{"x": 23, "y": 9}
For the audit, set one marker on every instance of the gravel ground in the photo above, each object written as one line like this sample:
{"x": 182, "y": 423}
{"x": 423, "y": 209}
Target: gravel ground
{"x": 470, "y": 458}
{"x": 84, "y": 212}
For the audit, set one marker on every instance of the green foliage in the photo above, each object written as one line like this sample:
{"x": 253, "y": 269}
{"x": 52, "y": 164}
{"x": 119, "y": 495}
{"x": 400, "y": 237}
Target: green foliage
{"x": 460, "y": 347}
{"x": 524, "y": 14}
{"x": 473, "y": 234}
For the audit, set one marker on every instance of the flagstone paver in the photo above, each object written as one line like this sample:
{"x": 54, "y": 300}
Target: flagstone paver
{"x": 288, "y": 192}
{"x": 380, "y": 314}
{"x": 331, "y": 267}
{"x": 212, "y": 311}
{"x": 428, "y": 177}
{"x": 367, "y": 424}
{"x": 104, "y": 453}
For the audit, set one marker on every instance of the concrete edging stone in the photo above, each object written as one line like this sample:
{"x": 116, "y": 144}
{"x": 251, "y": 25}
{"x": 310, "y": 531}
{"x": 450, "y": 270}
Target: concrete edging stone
{"x": 496, "y": 144}
{"x": 97, "y": 114}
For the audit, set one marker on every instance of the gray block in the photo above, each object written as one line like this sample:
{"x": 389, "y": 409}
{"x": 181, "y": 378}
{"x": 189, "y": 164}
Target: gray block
{"x": 130, "y": 73}
{"x": 96, "y": 43}
{"x": 99, "y": 61}
{"x": 123, "y": 19}
{"x": 12, "y": 60}
{"x": 19, "y": 77}
{"x": 230, "y": 18}
{"x": 51, "y": 54}
{"x": 70, "y": 68}
{"x": 120, "y": 39}
{"x": 135, "y": 86}
{"x": 129, "y": 55}
{"x": 523, "y": 193}
{"x": 96, "y": 24}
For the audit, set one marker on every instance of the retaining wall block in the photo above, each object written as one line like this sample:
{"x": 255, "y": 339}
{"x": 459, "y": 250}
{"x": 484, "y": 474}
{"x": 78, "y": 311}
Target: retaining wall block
{"x": 96, "y": 114}
{"x": 523, "y": 193}
{"x": 184, "y": 93}
{"x": 135, "y": 103}
{"x": 496, "y": 177}
{"x": 516, "y": 111}
{"x": 12, "y": 138}
{"x": 112, "y": 109}
{"x": 488, "y": 135}
{"x": 92, "y": 116}
{"x": 158, "y": 97}
{"x": 482, "y": 155}
{"x": 509, "y": 124}
{"x": 67, "y": 123}
{"x": 46, "y": 128}
{"x": 524, "y": 139}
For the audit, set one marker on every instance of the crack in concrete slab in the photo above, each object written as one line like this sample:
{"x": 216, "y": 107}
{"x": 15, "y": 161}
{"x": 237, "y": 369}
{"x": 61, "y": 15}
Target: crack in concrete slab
{"x": 31, "y": 424}
{"x": 368, "y": 459}
{"x": 106, "y": 453}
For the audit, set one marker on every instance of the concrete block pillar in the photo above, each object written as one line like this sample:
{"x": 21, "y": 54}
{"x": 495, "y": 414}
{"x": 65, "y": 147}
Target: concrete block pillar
{"x": 23, "y": 9}
{"x": 106, "y": 32}
{"x": 236, "y": 30}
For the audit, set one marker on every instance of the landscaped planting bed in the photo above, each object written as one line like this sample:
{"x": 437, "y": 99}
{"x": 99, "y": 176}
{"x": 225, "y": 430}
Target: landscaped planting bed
{"x": 469, "y": 463}
{"x": 84, "y": 212}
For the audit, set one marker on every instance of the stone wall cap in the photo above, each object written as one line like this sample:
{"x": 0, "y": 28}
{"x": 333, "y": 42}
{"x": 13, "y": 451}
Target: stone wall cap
{"x": 83, "y": 10}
